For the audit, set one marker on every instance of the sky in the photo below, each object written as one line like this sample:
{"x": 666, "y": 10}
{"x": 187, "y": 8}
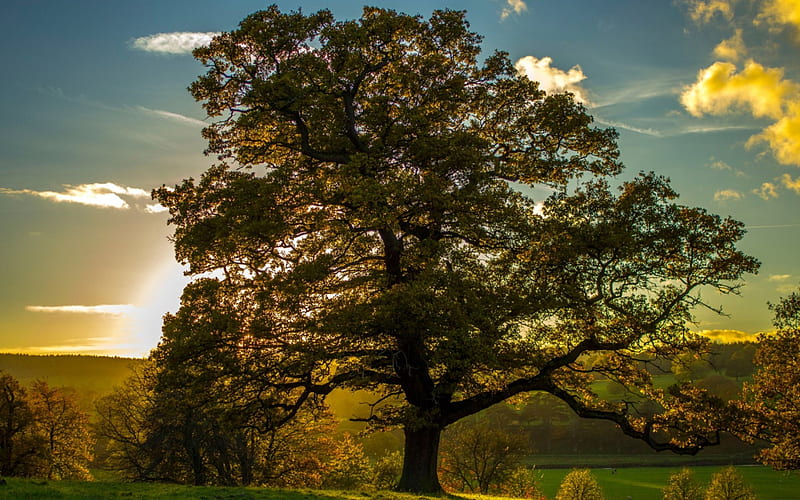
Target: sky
{"x": 96, "y": 114}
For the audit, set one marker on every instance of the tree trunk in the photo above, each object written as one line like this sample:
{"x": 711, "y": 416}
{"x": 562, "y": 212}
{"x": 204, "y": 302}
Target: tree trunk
{"x": 420, "y": 461}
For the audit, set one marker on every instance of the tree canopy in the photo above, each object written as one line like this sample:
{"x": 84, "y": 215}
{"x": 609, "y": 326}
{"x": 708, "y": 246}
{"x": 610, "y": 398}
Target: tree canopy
{"x": 372, "y": 225}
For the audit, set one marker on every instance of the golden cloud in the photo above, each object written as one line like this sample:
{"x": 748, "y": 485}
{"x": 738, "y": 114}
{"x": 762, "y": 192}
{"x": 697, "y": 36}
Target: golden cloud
{"x": 731, "y": 49}
{"x": 789, "y": 183}
{"x": 703, "y": 11}
{"x": 781, "y": 12}
{"x": 766, "y": 191}
{"x": 783, "y": 137}
{"x": 719, "y": 90}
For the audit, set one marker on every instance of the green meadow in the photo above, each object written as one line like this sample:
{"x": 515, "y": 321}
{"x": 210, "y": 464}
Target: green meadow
{"x": 640, "y": 483}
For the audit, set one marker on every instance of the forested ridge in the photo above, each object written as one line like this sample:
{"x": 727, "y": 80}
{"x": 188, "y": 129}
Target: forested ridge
{"x": 550, "y": 428}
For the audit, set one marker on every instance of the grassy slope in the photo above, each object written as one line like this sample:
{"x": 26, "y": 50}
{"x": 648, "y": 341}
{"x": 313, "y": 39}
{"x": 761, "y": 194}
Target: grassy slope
{"x": 639, "y": 484}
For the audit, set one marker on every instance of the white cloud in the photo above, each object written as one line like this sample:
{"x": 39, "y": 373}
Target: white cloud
{"x": 173, "y": 43}
{"x": 513, "y": 7}
{"x": 727, "y": 195}
{"x": 103, "y": 309}
{"x": 551, "y": 79}
{"x": 99, "y": 194}
{"x": 155, "y": 208}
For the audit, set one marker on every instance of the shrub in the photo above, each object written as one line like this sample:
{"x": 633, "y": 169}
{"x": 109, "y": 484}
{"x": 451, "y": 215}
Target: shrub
{"x": 387, "y": 470}
{"x": 523, "y": 482}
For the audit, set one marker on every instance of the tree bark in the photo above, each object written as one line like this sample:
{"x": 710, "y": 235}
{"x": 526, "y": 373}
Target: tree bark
{"x": 420, "y": 461}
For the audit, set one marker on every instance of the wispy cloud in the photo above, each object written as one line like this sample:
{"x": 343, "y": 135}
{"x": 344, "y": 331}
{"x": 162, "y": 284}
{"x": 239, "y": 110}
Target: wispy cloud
{"x": 720, "y": 165}
{"x": 703, "y": 11}
{"x": 724, "y": 167}
{"x": 772, "y": 226}
{"x": 513, "y": 7}
{"x": 552, "y": 79}
{"x": 103, "y": 309}
{"x": 625, "y": 126}
{"x": 778, "y": 277}
{"x": 104, "y": 195}
{"x": 727, "y": 195}
{"x": 171, "y": 116}
{"x": 181, "y": 42}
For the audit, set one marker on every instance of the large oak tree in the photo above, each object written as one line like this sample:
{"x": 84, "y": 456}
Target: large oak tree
{"x": 372, "y": 225}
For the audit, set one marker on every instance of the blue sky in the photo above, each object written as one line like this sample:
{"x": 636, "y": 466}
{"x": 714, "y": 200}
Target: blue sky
{"x": 96, "y": 114}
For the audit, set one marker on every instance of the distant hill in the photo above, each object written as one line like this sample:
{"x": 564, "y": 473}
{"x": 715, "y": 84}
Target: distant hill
{"x": 90, "y": 376}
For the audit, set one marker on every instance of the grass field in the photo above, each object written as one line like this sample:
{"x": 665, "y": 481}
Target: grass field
{"x": 646, "y": 483}
{"x": 643, "y": 483}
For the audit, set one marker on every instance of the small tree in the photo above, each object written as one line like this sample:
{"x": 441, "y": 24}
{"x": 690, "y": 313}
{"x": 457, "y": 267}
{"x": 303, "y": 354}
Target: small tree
{"x": 122, "y": 419}
{"x": 728, "y": 484}
{"x": 347, "y": 467}
{"x": 682, "y": 486}
{"x": 63, "y": 430}
{"x": 17, "y": 445}
{"x": 478, "y": 455}
{"x": 579, "y": 484}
